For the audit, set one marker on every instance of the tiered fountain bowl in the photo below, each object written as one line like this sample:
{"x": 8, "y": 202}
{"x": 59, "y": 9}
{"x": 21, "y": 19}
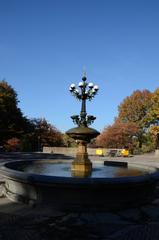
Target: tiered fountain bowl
{"x": 80, "y": 184}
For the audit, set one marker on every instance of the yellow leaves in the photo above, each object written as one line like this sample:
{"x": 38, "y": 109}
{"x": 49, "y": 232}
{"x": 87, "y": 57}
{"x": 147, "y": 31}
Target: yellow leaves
{"x": 134, "y": 108}
{"x": 154, "y": 130}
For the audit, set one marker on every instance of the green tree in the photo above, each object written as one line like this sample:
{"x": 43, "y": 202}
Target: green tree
{"x": 12, "y": 121}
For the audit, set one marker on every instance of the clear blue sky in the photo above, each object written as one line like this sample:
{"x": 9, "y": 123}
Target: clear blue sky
{"x": 44, "y": 46}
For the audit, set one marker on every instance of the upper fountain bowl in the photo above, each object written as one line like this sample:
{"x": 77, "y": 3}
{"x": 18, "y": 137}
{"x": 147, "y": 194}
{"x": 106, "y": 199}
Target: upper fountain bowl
{"x": 82, "y": 133}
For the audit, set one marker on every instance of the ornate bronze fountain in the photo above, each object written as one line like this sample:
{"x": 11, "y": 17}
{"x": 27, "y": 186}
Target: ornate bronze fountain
{"x": 105, "y": 189}
{"x": 82, "y": 166}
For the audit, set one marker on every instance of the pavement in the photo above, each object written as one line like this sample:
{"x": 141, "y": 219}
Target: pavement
{"x": 19, "y": 221}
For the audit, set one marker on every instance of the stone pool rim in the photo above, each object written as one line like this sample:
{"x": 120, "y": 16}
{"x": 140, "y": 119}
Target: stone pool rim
{"x": 78, "y": 194}
{"x": 9, "y": 173}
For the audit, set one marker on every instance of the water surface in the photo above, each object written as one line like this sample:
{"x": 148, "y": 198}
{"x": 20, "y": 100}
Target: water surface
{"x": 62, "y": 169}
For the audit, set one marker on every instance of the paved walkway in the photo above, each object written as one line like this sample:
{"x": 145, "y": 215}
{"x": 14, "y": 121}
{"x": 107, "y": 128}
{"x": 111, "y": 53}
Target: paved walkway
{"x": 18, "y": 221}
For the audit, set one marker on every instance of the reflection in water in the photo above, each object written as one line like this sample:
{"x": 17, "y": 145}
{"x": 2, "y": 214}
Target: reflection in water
{"x": 130, "y": 172}
{"x": 81, "y": 174}
{"x": 64, "y": 170}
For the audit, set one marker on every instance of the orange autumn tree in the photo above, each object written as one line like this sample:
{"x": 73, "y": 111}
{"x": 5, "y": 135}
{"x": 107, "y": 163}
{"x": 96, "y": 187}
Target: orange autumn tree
{"x": 134, "y": 109}
{"x": 117, "y": 135}
{"x": 45, "y": 134}
{"x": 12, "y": 144}
{"x": 153, "y": 117}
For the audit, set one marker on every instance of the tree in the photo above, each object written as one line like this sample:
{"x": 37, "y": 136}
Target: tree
{"x": 134, "y": 109}
{"x": 45, "y": 134}
{"x": 31, "y": 134}
{"x": 117, "y": 135}
{"x": 68, "y": 141}
{"x": 153, "y": 117}
{"x": 12, "y": 144}
{"x": 12, "y": 121}
{"x": 153, "y": 113}
{"x": 154, "y": 130}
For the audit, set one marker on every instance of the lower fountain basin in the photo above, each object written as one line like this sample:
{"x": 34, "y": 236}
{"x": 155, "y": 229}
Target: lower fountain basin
{"x": 109, "y": 187}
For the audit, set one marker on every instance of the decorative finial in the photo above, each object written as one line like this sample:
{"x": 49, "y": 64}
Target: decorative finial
{"x": 84, "y": 78}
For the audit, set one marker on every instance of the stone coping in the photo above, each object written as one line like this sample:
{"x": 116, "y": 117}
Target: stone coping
{"x": 8, "y": 170}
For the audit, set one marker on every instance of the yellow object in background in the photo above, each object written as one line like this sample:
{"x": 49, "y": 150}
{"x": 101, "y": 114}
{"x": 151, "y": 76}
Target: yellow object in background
{"x": 125, "y": 153}
{"x": 99, "y": 152}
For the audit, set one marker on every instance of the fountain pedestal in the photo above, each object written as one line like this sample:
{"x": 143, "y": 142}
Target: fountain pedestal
{"x": 81, "y": 166}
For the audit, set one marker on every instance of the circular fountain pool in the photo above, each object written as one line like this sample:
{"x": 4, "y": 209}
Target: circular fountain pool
{"x": 49, "y": 182}
{"x": 63, "y": 169}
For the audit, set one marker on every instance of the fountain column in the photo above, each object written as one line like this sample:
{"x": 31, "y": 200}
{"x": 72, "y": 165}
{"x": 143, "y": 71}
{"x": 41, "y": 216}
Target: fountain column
{"x": 82, "y": 166}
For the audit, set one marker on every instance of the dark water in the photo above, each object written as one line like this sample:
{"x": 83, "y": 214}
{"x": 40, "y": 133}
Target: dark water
{"x": 99, "y": 170}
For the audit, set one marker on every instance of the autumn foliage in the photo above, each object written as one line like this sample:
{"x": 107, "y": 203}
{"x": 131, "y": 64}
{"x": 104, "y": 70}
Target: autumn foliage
{"x": 45, "y": 134}
{"x": 136, "y": 114}
{"x": 135, "y": 107}
{"x": 117, "y": 135}
{"x": 153, "y": 113}
{"x": 12, "y": 144}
